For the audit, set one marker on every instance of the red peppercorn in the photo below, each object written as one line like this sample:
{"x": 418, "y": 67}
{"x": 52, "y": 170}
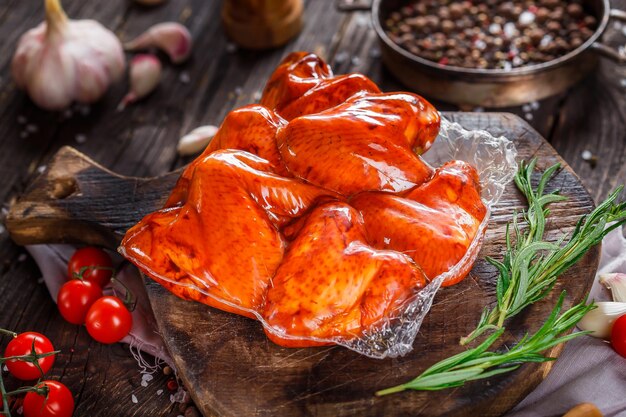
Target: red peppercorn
{"x": 172, "y": 385}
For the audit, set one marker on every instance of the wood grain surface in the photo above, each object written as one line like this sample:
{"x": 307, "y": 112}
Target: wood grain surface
{"x": 141, "y": 141}
{"x": 228, "y": 363}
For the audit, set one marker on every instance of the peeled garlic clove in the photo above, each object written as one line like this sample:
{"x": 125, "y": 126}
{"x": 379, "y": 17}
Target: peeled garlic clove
{"x": 615, "y": 282}
{"x": 172, "y": 38}
{"x": 145, "y": 74}
{"x": 600, "y": 320}
{"x": 195, "y": 141}
{"x": 63, "y": 60}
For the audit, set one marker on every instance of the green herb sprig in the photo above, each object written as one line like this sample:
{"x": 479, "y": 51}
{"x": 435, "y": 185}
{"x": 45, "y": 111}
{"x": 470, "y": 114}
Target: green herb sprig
{"x": 480, "y": 363}
{"x": 527, "y": 273}
{"x": 531, "y": 266}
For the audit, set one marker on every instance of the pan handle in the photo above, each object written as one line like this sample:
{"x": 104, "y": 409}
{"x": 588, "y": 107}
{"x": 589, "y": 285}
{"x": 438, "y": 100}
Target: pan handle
{"x": 616, "y": 55}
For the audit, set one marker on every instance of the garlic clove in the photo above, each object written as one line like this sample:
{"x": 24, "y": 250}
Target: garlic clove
{"x": 63, "y": 60}
{"x": 616, "y": 282}
{"x": 195, "y": 141}
{"x": 600, "y": 320}
{"x": 145, "y": 75}
{"x": 172, "y": 38}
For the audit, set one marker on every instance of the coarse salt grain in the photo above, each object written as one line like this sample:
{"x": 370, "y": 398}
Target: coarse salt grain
{"x": 510, "y": 30}
{"x": 184, "y": 77}
{"x": 80, "y": 138}
{"x": 534, "y": 105}
{"x": 159, "y": 392}
{"x": 341, "y": 57}
{"x": 529, "y": 116}
{"x": 2, "y": 229}
{"x": 22, "y": 257}
{"x": 526, "y": 108}
{"x": 133, "y": 398}
{"x": 144, "y": 383}
{"x": 238, "y": 90}
{"x": 257, "y": 95}
{"x": 375, "y": 53}
{"x": 623, "y": 82}
{"x": 355, "y": 61}
{"x": 546, "y": 40}
{"x": 586, "y": 155}
{"x": 495, "y": 29}
{"x": 526, "y": 18}
{"x": 41, "y": 169}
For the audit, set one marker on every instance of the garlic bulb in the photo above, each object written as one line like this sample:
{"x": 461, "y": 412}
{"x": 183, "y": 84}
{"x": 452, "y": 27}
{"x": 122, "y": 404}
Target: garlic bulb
{"x": 145, "y": 74}
{"x": 63, "y": 60}
{"x": 195, "y": 141}
{"x": 600, "y": 320}
{"x": 172, "y": 38}
{"x": 615, "y": 282}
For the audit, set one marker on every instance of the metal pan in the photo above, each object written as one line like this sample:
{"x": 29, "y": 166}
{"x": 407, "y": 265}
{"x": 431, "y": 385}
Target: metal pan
{"x": 489, "y": 87}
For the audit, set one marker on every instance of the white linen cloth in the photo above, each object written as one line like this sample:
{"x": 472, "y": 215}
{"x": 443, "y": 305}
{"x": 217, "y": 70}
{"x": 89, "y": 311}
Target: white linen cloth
{"x": 588, "y": 370}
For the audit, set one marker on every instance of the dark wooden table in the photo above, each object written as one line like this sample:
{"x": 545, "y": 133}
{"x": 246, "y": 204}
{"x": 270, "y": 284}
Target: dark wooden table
{"x": 141, "y": 141}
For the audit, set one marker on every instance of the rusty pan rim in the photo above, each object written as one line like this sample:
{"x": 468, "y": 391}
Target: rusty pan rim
{"x": 491, "y": 73}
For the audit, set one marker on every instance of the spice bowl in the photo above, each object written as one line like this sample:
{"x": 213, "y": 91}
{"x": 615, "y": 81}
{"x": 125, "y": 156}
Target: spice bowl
{"x": 486, "y": 87}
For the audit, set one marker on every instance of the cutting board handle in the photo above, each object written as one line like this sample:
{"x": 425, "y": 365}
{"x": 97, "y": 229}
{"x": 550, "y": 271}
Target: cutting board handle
{"x": 76, "y": 200}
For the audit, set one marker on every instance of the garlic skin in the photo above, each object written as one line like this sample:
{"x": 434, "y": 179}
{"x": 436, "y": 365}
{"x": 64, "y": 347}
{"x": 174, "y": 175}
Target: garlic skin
{"x": 172, "y": 38}
{"x": 616, "y": 282}
{"x": 600, "y": 320}
{"x": 63, "y": 60}
{"x": 145, "y": 75}
{"x": 195, "y": 141}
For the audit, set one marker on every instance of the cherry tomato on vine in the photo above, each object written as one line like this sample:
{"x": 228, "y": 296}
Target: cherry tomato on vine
{"x": 108, "y": 320}
{"x": 74, "y": 299}
{"x": 100, "y": 262}
{"x": 618, "y": 335}
{"x": 59, "y": 403}
{"x": 22, "y": 345}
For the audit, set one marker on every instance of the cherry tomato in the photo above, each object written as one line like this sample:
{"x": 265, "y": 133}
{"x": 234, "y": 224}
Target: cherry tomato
{"x": 59, "y": 403}
{"x": 618, "y": 335}
{"x": 22, "y": 345}
{"x": 74, "y": 299}
{"x": 108, "y": 320}
{"x": 91, "y": 257}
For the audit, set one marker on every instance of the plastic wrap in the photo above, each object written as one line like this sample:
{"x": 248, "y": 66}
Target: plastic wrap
{"x": 494, "y": 159}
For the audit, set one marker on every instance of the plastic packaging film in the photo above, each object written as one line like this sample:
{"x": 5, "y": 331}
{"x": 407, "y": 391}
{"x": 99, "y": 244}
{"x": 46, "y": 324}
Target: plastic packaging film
{"x": 394, "y": 334}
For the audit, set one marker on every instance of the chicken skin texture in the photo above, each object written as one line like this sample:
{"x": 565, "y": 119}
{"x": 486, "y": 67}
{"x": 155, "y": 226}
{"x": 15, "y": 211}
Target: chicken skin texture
{"x": 352, "y": 287}
{"x": 314, "y": 211}
{"x": 434, "y": 224}
{"x": 234, "y": 206}
{"x": 364, "y": 144}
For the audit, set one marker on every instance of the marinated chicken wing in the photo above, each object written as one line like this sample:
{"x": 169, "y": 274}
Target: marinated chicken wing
{"x": 235, "y": 203}
{"x": 332, "y": 284}
{"x": 434, "y": 224}
{"x": 259, "y": 224}
{"x": 296, "y": 74}
{"x": 328, "y": 93}
{"x": 364, "y": 144}
{"x": 250, "y": 128}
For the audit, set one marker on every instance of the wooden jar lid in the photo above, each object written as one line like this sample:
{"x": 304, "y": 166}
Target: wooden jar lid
{"x": 262, "y": 24}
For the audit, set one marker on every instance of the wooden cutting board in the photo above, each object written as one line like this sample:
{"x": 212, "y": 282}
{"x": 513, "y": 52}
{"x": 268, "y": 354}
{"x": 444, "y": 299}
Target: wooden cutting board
{"x": 232, "y": 370}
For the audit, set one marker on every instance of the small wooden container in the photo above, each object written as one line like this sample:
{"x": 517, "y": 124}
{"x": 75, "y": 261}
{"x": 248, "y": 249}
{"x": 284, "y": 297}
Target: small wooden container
{"x": 262, "y": 24}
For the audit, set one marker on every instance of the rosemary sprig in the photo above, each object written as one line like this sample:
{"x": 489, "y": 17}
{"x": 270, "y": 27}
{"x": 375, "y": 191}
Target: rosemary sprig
{"x": 480, "y": 363}
{"x": 532, "y": 265}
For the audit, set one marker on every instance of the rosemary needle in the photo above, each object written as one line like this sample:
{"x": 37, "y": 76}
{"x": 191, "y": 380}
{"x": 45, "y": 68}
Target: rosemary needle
{"x": 527, "y": 273}
{"x": 531, "y": 266}
{"x": 479, "y": 362}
